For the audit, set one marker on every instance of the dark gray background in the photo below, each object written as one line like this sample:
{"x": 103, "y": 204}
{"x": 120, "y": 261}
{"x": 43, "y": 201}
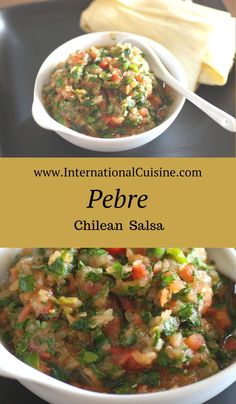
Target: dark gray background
{"x": 30, "y": 33}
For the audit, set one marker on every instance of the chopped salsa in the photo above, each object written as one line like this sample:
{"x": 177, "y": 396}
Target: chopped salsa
{"x": 119, "y": 320}
{"x": 107, "y": 92}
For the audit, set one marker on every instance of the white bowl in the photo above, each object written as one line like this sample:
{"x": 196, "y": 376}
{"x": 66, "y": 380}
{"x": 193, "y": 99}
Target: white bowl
{"x": 43, "y": 119}
{"x": 57, "y": 392}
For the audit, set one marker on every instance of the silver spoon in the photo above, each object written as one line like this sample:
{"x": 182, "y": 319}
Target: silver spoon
{"x": 227, "y": 121}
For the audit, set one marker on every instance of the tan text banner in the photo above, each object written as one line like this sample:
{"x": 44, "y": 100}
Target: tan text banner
{"x": 59, "y": 202}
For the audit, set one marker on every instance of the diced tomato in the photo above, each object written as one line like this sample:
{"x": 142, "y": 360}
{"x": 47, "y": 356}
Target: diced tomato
{"x": 104, "y": 64}
{"x": 25, "y": 297}
{"x": 73, "y": 284}
{"x": 155, "y": 100}
{"x": 91, "y": 288}
{"x": 143, "y": 111}
{"x": 220, "y": 316}
{"x": 195, "y": 341}
{"x": 44, "y": 368}
{"x": 115, "y": 75}
{"x": 78, "y": 58}
{"x": 112, "y": 120}
{"x": 138, "y": 270}
{"x": 41, "y": 302}
{"x": 44, "y": 308}
{"x": 161, "y": 113}
{"x": 186, "y": 273}
{"x": 127, "y": 304}
{"x": 137, "y": 320}
{"x": 141, "y": 251}
{"x": 168, "y": 90}
{"x": 3, "y": 316}
{"x": 93, "y": 53}
{"x": 14, "y": 274}
{"x": 24, "y": 313}
{"x": 41, "y": 351}
{"x": 112, "y": 329}
{"x": 143, "y": 388}
{"x": 171, "y": 304}
{"x": 45, "y": 355}
{"x": 176, "y": 286}
{"x": 230, "y": 344}
{"x": 131, "y": 364}
{"x": 164, "y": 296}
{"x": 120, "y": 355}
{"x": 116, "y": 251}
{"x": 139, "y": 77}
{"x": 124, "y": 358}
{"x": 103, "y": 104}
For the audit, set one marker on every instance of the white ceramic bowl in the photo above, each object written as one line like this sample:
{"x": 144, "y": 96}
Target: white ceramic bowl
{"x": 43, "y": 119}
{"x": 57, "y": 392}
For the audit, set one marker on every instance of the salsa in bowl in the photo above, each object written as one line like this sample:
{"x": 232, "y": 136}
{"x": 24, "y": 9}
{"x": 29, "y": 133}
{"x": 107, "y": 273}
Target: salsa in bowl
{"x": 99, "y": 93}
{"x": 120, "y": 321}
{"x": 107, "y": 92}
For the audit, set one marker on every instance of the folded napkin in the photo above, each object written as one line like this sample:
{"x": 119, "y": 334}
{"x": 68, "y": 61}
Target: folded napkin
{"x": 202, "y": 38}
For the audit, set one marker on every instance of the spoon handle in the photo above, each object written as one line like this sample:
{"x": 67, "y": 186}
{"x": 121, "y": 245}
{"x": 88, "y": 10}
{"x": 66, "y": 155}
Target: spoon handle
{"x": 222, "y": 118}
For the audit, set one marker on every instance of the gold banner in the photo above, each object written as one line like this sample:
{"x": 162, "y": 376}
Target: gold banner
{"x": 74, "y": 202}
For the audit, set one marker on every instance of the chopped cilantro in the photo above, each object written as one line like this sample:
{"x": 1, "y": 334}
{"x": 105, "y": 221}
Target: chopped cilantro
{"x": 4, "y": 302}
{"x": 82, "y": 324}
{"x": 171, "y": 326}
{"x": 151, "y": 378}
{"x": 56, "y": 325}
{"x": 21, "y": 347}
{"x": 26, "y": 283}
{"x": 86, "y": 357}
{"x": 221, "y": 357}
{"x": 99, "y": 339}
{"x": 98, "y": 372}
{"x": 93, "y": 276}
{"x": 32, "y": 359}
{"x": 177, "y": 254}
{"x": 64, "y": 263}
{"x": 60, "y": 82}
{"x": 188, "y": 313}
{"x": 59, "y": 373}
{"x": 120, "y": 271}
{"x": 163, "y": 359}
{"x": 156, "y": 252}
{"x": 22, "y": 325}
{"x": 128, "y": 340}
{"x": 125, "y": 389}
{"x": 146, "y": 316}
{"x": 51, "y": 345}
{"x": 167, "y": 279}
{"x": 156, "y": 338}
{"x": 183, "y": 292}
{"x": 93, "y": 251}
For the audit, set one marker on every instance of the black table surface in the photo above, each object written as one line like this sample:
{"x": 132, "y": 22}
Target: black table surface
{"x": 28, "y": 35}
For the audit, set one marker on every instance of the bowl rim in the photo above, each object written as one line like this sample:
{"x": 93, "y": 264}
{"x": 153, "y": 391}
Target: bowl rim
{"x": 49, "y": 381}
{"x": 46, "y": 380}
{"x": 56, "y": 126}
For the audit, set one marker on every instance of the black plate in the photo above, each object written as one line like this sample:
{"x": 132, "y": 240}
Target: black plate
{"x": 28, "y": 34}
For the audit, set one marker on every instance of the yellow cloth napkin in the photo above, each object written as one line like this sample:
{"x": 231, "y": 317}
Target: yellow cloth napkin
{"x": 202, "y": 38}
